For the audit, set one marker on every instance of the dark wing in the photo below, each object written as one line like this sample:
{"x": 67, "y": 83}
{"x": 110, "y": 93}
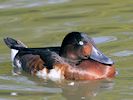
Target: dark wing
{"x": 53, "y": 49}
{"x": 35, "y": 59}
{"x": 31, "y": 63}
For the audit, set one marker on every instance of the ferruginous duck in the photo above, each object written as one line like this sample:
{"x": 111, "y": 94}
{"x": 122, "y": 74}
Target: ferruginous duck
{"x": 77, "y": 58}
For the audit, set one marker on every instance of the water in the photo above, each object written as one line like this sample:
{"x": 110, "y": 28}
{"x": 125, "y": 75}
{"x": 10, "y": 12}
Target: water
{"x": 123, "y": 53}
{"x": 12, "y": 4}
{"x": 45, "y": 23}
{"x": 104, "y": 39}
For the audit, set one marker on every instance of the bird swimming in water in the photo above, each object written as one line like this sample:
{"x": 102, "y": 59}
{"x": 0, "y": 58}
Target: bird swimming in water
{"x": 77, "y": 58}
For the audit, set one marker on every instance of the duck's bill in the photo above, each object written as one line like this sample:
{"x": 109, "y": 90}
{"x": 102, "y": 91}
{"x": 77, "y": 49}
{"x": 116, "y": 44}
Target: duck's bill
{"x": 97, "y": 55}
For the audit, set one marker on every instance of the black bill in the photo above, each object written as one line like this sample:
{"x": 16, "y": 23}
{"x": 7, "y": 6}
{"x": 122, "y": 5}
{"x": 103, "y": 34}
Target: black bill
{"x": 97, "y": 55}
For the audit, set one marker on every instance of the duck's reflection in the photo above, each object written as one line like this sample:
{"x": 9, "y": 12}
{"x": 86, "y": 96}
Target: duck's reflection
{"x": 85, "y": 90}
{"x": 78, "y": 90}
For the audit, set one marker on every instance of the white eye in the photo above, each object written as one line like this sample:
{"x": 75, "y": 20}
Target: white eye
{"x": 81, "y": 42}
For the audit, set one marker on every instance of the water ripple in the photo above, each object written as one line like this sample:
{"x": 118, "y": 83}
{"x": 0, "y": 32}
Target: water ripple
{"x": 104, "y": 39}
{"x": 30, "y": 88}
{"x": 18, "y": 79}
{"x": 123, "y": 53}
{"x": 4, "y": 58}
{"x": 28, "y": 3}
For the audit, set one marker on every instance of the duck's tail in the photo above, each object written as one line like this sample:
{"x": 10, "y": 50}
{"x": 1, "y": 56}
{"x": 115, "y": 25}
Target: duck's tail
{"x": 14, "y": 45}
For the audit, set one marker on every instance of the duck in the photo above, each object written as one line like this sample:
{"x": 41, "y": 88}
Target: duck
{"x": 77, "y": 58}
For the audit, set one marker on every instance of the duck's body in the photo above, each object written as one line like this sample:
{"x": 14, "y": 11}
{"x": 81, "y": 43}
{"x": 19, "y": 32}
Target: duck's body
{"x": 76, "y": 59}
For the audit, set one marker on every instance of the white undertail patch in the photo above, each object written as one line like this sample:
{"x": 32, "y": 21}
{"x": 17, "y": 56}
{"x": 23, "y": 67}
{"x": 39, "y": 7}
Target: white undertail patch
{"x": 13, "y": 54}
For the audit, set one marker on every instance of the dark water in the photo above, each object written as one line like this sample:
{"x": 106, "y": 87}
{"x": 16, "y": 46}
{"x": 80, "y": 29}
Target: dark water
{"x": 45, "y": 22}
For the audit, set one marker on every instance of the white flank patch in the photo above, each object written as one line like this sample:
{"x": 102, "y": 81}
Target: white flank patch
{"x": 55, "y": 75}
{"x": 14, "y": 94}
{"x": 71, "y": 83}
{"x": 13, "y": 54}
{"x": 42, "y": 73}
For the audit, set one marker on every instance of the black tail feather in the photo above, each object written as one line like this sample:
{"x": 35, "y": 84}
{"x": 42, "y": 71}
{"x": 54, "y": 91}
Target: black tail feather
{"x": 14, "y": 44}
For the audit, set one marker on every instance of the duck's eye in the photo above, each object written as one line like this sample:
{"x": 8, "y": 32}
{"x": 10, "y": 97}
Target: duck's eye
{"x": 81, "y": 43}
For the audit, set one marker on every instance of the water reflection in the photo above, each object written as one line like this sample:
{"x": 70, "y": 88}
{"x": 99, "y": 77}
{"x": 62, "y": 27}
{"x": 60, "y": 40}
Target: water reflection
{"x": 104, "y": 39}
{"x": 17, "y": 79}
{"x": 85, "y": 90}
{"x": 3, "y": 57}
{"x": 30, "y": 88}
{"x": 5, "y": 99}
{"x": 27, "y": 3}
{"x": 71, "y": 90}
{"x": 123, "y": 53}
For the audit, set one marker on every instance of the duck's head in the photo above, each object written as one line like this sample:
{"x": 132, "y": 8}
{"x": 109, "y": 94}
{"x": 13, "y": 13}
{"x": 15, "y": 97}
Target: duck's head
{"x": 78, "y": 46}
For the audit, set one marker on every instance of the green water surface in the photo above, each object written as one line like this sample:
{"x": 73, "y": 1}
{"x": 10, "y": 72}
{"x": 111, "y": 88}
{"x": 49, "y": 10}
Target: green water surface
{"x": 41, "y": 23}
